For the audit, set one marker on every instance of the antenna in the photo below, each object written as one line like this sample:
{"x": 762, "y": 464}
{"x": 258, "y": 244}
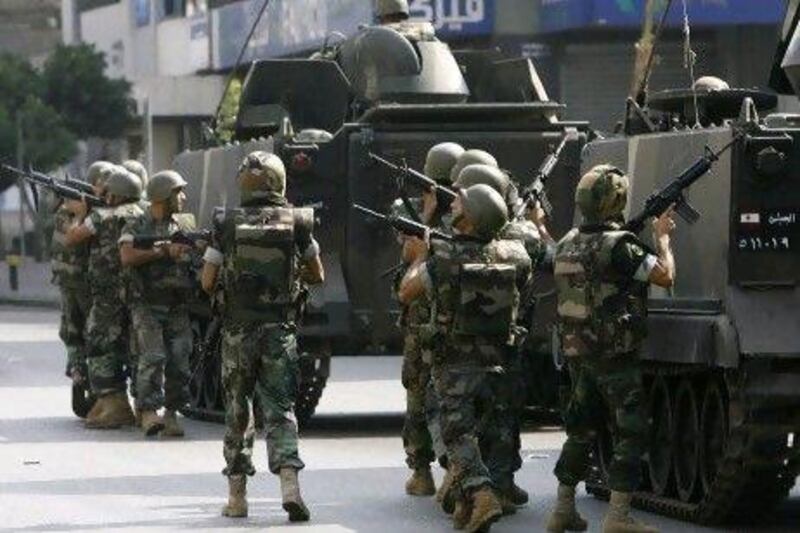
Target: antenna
{"x": 236, "y": 65}
{"x": 640, "y": 93}
{"x": 690, "y": 59}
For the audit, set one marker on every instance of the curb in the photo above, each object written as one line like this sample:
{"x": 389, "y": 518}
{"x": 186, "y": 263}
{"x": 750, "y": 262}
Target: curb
{"x": 30, "y": 302}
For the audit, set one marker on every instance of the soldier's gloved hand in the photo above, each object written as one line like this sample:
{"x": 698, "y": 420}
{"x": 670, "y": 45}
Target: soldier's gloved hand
{"x": 177, "y": 251}
{"x": 536, "y": 214}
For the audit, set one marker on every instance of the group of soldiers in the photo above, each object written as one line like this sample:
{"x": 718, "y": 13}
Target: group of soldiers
{"x": 126, "y": 280}
{"x": 465, "y": 314}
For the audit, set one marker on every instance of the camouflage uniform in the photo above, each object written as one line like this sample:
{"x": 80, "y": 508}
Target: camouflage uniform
{"x": 475, "y": 286}
{"x": 159, "y": 292}
{"x": 108, "y": 325}
{"x": 500, "y": 431}
{"x": 601, "y": 277}
{"x": 69, "y": 267}
{"x": 259, "y": 250}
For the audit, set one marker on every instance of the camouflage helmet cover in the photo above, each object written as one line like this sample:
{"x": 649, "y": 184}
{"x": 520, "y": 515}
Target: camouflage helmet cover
{"x": 481, "y": 174}
{"x": 385, "y": 8}
{"x": 123, "y": 184}
{"x": 136, "y": 168}
{"x": 602, "y": 194}
{"x": 261, "y": 175}
{"x": 162, "y": 185}
{"x": 98, "y": 172}
{"x": 485, "y": 208}
{"x": 440, "y": 161}
{"x": 472, "y": 157}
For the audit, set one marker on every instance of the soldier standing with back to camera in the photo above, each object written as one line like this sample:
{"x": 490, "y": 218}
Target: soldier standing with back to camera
{"x": 70, "y": 266}
{"x": 107, "y": 323}
{"x": 161, "y": 282}
{"x": 419, "y": 441}
{"x": 263, "y": 252}
{"x": 474, "y": 282}
{"x": 602, "y": 275}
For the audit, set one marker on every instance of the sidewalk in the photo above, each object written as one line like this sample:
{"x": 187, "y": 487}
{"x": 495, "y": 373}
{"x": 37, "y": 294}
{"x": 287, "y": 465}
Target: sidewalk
{"x": 34, "y": 285}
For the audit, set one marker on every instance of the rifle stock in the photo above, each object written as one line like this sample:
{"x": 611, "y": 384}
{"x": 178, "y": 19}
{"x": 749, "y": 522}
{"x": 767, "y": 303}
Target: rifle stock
{"x": 404, "y": 225}
{"x": 189, "y": 238}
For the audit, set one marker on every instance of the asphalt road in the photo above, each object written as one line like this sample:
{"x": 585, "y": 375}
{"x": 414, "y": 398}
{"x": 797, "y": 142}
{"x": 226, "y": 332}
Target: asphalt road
{"x": 57, "y": 476}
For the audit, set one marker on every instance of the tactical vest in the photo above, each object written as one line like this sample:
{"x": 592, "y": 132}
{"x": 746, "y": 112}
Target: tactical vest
{"x": 69, "y": 264}
{"x": 600, "y": 312}
{"x": 163, "y": 281}
{"x": 528, "y": 235}
{"x": 477, "y": 293}
{"x": 261, "y": 274}
{"x": 105, "y": 268}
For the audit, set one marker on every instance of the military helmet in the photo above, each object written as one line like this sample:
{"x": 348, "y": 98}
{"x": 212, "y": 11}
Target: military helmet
{"x": 483, "y": 175}
{"x": 602, "y": 193}
{"x": 98, "y": 172}
{"x": 386, "y": 8}
{"x": 472, "y": 157}
{"x": 485, "y": 208}
{"x": 711, "y": 83}
{"x": 123, "y": 184}
{"x": 440, "y": 161}
{"x": 260, "y": 175}
{"x": 163, "y": 184}
{"x": 137, "y": 169}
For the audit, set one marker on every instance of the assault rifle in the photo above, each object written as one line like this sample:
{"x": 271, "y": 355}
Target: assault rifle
{"x": 83, "y": 186}
{"x": 189, "y": 238}
{"x": 404, "y": 225}
{"x": 444, "y": 195}
{"x": 535, "y": 192}
{"x": 660, "y": 201}
{"x": 58, "y": 187}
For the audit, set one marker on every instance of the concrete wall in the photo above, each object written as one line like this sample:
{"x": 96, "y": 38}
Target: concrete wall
{"x": 108, "y": 28}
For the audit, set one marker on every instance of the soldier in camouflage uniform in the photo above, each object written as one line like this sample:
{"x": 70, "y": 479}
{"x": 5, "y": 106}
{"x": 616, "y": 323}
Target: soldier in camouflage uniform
{"x": 421, "y": 429}
{"x": 69, "y": 266}
{"x": 500, "y": 431}
{"x": 475, "y": 283}
{"x": 263, "y": 253}
{"x": 161, "y": 285}
{"x": 602, "y": 274}
{"x": 107, "y": 323}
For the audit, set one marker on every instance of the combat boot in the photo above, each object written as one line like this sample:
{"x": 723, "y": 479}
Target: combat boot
{"x": 172, "y": 427}
{"x": 461, "y": 514}
{"x": 619, "y": 519}
{"x": 237, "y": 497}
{"x": 518, "y": 495}
{"x": 565, "y": 516}
{"x": 292, "y": 501}
{"x": 94, "y": 412}
{"x": 486, "y": 510}
{"x": 445, "y": 495}
{"x": 151, "y": 423}
{"x": 421, "y": 483}
{"x": 114, "y": 412}
{"x": 137, "y": 417}
{"x": 509, "y": 507}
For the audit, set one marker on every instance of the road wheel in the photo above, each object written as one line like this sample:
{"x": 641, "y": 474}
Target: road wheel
{"x": 687, "y": 441}
{"x": 315, "y": 360}
{"x": 659, "y": 465}
{"x": 714, "y": 430}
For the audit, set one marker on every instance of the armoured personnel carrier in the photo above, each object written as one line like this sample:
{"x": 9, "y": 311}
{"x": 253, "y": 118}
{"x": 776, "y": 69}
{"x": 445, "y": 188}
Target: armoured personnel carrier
{"x": 396, "y": 96}
{"x": 722, "y": 361}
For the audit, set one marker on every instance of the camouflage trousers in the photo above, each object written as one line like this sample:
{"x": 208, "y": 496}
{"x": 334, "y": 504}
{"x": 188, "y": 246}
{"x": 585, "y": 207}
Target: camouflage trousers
{"x": 499, "y": 435}
{"x": 259, "y": 363}
{"x": 108, "y": 344}
{"x": 605, "y": 391}
{"x": 164, "y": 342}
{"x": 464, "y": 395}
{"x": 75, "y": 305}
{"x": 422, "y": 438}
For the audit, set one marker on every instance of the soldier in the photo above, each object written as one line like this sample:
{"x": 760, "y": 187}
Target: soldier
{"x": 69, "y": 266}
{"x": 263, "y": 253}
{"x": 160, "y": 287}
{"x": 137, "y": 169}
{"x": 602, "y": 274}
{"x": 500, "y": 431}
{"x": 421, "y": 429}
{"x": 475, "y": 283}
{"x": 107, "y": 323}
{"x": 395, "y": 14}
